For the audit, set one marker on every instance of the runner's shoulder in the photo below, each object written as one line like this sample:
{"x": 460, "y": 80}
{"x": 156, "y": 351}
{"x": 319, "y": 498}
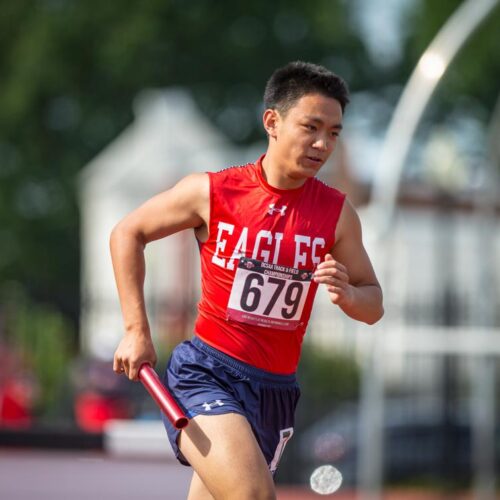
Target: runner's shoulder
{"x": 193, "y": 190}
{"x": 236, "y": 169}
{"x": 324, "y": 189}
{"x": 234, "y": 173}
{"x": 198, "y": 182}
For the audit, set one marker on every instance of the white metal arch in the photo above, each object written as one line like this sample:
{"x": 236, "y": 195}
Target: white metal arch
{"x": 412, "y": 103}
{"x": 407, "y": 115}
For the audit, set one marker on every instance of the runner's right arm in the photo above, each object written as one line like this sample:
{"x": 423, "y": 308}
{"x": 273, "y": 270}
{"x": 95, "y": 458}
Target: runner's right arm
{"x": 184, "y": 206}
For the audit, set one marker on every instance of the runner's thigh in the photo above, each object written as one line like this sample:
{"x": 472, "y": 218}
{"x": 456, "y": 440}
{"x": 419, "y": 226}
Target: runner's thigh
{"x": 224, "y": 452}
{"x": 198, "y": 490}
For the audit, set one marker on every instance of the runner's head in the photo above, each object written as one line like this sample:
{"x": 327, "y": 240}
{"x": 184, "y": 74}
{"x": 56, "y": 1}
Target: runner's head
{"x": 303, "y": 119}
{"x": 291, "y": 82}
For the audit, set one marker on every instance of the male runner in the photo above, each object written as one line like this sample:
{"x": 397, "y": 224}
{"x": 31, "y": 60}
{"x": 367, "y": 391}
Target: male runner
{"x": 269, "y": 234}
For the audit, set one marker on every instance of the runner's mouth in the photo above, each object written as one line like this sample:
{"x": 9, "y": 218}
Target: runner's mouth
{"x": 315, "y": 159}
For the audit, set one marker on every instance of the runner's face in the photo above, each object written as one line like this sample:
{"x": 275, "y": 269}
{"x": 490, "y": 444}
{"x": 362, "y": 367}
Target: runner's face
{"x": 307, "y": 135}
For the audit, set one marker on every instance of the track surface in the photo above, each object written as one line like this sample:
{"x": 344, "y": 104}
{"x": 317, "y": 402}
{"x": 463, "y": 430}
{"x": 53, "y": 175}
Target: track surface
{"x": 56, "y": 475}
{"x": 31, "y": 475}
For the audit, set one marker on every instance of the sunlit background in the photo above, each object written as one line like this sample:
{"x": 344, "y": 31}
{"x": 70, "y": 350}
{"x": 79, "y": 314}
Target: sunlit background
{"x": 104, "y": 104}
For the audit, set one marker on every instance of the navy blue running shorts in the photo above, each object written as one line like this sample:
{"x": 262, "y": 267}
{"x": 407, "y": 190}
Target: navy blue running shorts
{"x": 205, "y": 381}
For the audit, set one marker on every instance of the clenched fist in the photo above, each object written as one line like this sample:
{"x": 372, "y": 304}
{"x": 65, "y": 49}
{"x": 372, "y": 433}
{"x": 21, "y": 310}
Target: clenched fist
{"x": 335, "y": 276}
{"x": 133, "y": 351}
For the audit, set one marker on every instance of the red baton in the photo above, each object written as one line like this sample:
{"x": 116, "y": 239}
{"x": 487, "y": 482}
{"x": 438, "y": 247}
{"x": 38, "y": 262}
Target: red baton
{"x": 163, "y": 398}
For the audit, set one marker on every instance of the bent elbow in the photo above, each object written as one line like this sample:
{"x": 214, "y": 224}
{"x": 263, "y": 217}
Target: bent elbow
{"x": 116, "y": 235}
{"x": 379, "y": 311}
{"x": 122, "y": 233}
{"x": 376, "y": 317}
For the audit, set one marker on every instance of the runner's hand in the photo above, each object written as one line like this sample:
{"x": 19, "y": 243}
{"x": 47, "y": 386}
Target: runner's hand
{"x": 334, "y": 275}
{"x": 132, "y": 352}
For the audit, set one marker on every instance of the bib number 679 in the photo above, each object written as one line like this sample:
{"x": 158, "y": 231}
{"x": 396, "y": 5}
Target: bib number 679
{"x": 251, "y": 295}
{"x": 268, "y": 295}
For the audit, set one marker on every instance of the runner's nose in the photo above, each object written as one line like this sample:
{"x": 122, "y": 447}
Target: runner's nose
{"x": 322, "y": 144}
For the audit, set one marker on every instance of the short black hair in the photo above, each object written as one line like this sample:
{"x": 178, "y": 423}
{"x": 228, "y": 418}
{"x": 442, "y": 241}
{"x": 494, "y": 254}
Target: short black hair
{"x": 291, "y": 82}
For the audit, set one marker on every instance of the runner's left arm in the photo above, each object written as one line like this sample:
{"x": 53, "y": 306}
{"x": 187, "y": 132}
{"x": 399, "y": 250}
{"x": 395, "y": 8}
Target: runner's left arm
{"x": 348, "y": 273}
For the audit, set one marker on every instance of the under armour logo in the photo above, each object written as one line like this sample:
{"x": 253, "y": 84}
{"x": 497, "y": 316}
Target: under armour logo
{"x": 272, "y": 209}
{"x": 208, "y": 406}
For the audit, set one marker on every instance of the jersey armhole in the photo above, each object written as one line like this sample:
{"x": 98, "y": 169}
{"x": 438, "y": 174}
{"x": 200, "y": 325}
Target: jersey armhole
{"x": 198, "y": 241}
{"x": 210, "y": 205}
{"x": 342, "y": 199}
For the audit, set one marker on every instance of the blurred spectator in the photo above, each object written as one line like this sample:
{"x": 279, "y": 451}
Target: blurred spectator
{"x": 16, "y": 402}
{"x": 100, "y": 395}
{"x": 17, "y": 391}
{"x": 93, "y": 410}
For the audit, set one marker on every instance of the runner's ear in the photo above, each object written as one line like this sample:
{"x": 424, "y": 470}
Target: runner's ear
{"x": 270, "y": 120}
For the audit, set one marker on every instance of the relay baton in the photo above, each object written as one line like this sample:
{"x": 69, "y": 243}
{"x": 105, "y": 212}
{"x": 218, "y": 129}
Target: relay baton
{"x": 163, "y": 398}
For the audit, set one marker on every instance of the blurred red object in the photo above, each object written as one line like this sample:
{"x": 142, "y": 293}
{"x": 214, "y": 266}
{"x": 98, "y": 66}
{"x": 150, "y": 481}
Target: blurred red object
{"x": 93, "y": 410}
{"x": 15, "y": 404}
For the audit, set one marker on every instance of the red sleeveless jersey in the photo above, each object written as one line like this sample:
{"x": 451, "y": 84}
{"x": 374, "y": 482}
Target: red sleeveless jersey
{"x": 257, "y": 263}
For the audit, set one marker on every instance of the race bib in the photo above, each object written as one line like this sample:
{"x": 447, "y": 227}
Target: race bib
{"x": 268, "y": 294}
